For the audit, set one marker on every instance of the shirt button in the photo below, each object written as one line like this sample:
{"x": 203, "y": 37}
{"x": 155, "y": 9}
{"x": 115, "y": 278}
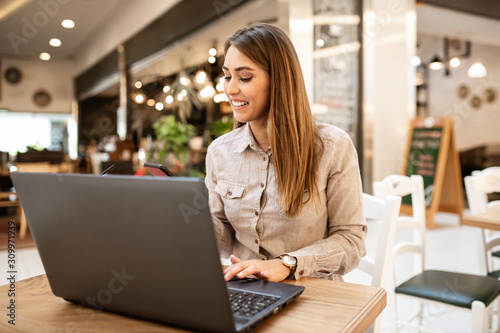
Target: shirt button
{"x": 264, "y": 159}
{"x": 301, "y": 273}
{"x": 261, "y": 184}
{"x": 256, "y": 241}
{"x": 256, "y": 213}
{"x": 229, "y": 193}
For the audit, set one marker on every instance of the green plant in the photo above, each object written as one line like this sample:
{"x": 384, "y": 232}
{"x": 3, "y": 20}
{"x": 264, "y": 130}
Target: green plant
{"x": 221, "y": 126}
{"x": 175, "y": 137}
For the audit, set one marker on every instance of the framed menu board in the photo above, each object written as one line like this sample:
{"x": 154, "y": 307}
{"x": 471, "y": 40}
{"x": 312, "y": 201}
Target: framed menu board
{"x": 431, "y": 153}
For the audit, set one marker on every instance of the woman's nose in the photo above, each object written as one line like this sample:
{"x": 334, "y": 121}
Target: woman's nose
{"x": 231, "y": 86}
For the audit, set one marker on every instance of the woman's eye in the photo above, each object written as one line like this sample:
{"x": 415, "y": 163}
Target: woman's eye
{"x": 227, "y": 78}
{"x": 243, "y": 79}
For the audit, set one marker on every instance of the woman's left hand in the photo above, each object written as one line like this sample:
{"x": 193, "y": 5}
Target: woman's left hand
{"x": 271, "y": 270}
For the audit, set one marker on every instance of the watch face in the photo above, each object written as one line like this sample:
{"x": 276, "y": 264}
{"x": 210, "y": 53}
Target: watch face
{"x": 290, "y": 260}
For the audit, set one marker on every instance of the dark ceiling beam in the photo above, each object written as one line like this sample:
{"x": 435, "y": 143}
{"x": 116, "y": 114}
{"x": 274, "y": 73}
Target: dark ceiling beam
{"x": 486, "y": 8}
{"x": 181, "y": 20}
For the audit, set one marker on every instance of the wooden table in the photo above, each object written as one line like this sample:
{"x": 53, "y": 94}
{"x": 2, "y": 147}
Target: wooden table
{"x": 485, "y": 221}
{"x": 325, "y": 306}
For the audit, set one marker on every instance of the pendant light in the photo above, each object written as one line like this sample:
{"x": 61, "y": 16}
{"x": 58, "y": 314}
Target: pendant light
{"x": 477, "y": 70}
{"x": 436, "y": 63}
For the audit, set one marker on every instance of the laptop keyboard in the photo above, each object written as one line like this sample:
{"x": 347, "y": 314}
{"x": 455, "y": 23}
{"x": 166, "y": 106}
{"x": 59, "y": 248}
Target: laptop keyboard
{"x": 247, "y": 304}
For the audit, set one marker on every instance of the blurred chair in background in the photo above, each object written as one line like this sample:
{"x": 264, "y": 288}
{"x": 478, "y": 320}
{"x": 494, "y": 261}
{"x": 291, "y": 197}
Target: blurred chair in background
{"x": 474, "y": 293}
{"x": 385, "y": 211}
{"x": 122, "y": 167}
{"x": 478, "y": 186}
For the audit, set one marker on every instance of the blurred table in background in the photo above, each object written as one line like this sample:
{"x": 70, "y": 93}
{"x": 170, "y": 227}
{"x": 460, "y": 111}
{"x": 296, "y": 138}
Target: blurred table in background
{"x": 63, "y": 167}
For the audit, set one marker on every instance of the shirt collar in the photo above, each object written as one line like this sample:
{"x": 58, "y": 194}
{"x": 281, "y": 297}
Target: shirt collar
{"x": 247, "y": 139}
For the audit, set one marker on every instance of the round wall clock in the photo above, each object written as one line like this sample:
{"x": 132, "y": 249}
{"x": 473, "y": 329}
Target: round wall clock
{"x": 13, "y": 75}
{"x": 490, "y": 94}
{"x": 463, "y": 91}
{"x": 42, "y": 98}
{"x": 475, "y": 102}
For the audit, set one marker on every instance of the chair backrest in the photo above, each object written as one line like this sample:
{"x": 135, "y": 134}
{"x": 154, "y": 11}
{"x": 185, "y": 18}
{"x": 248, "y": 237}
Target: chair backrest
{"x": 386, "y": 212}
{"x": 477, "y": 187}
{"x": 400, "y": 185}
{"x": 485, "y": 171}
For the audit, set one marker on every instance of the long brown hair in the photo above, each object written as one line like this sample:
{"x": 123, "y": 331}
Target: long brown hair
{"x": 290, "y": 125}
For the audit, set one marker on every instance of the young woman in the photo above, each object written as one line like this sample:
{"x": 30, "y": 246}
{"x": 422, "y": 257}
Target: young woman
{"x": 284, "y": 191}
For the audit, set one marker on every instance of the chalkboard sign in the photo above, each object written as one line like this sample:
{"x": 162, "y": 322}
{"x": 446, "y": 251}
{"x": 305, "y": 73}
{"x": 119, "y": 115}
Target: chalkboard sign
{"x": 423, "y": 159}
{"x": 431, "y": 153}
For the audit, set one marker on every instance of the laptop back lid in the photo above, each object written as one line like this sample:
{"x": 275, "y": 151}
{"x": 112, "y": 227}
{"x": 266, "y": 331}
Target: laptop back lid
{"x": 142, "y": 246}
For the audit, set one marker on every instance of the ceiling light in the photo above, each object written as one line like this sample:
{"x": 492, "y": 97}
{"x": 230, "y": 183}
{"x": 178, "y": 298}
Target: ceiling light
{"x": 55, "y": 42}
{"x": 184, "y": 80}
{"x": 69, "y": 24}
{"x": 159, "y": 106}
{"x": 201, "y": 77}
{"x": 139, "y": 98}
{"x": 415, "y": 61}
{"x": 169, "y": 99}
{"x": 150, "y": 102}
{"x": 211, "y": 59}
{"x": 436, "y": 63}
{"x": 455, "y": 62}
{"x": 138, "y": 84}
{"x": 44, "y": 56}
{"x": 477, "y": 70}
{"x": 212, "y": 51}
{"x": 207, "y": 92}
{"x": 166, "y": 89}
{"x": 320, "y": 42}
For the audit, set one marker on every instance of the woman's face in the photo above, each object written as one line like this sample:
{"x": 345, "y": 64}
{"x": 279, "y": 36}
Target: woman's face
{"x": 247, "y": 87}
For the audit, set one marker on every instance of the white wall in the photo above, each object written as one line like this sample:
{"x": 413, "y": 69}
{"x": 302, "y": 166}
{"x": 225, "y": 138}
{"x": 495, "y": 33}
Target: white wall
{"x": 54, "y": 77}
{"x": 301, "y": 32}
{"x": 389, "y": 95}
{"x": 473, "y": 126}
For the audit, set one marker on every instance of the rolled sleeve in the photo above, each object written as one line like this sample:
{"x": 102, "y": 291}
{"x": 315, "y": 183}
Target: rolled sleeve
{"x": 332, "y": 257}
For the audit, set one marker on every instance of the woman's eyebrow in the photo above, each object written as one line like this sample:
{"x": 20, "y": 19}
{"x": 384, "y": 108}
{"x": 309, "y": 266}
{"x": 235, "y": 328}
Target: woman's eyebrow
{"x": 237, "y": 69}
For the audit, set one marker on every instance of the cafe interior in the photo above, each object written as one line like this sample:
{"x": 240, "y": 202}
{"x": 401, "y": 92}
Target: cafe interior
{"x": 88, "y": 84}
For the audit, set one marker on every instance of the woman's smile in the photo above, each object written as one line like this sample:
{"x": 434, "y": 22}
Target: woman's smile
{"x": 247, "y": 86}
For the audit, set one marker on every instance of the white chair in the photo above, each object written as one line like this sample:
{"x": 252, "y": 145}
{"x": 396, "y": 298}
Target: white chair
{"x": 379, "y": 267}
{"x": 477, "y": 187}
{"x": 459, "y": 291}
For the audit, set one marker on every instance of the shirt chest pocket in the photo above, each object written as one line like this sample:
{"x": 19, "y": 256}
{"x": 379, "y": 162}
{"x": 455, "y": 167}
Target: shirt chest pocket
{"x": 231, "y": 194}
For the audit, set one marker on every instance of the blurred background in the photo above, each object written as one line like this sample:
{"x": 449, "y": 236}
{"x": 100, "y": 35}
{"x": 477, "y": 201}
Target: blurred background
{"x": 87, "y": 83}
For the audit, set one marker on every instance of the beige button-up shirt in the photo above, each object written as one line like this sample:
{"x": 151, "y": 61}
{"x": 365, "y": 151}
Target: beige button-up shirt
{"x": 328, "y": 240}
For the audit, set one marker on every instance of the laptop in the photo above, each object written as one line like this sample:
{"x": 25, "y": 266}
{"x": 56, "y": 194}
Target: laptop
{"x": 140, "y": 246}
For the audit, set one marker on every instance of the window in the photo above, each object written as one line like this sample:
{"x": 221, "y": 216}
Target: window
{"x": 18, "y": 130}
